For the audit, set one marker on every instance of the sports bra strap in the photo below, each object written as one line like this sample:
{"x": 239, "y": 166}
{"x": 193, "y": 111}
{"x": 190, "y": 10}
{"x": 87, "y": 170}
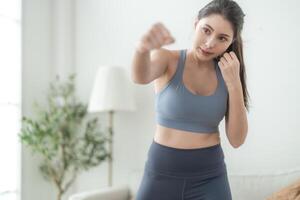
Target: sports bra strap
{"x": 179, "y": 68}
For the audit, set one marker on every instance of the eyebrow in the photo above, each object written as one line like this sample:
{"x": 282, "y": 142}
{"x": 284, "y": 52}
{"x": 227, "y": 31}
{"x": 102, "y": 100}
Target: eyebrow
{"x": 213, "y": 29}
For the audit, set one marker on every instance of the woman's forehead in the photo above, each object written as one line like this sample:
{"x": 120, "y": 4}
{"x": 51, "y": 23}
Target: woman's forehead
{"x": 218, "y": 24}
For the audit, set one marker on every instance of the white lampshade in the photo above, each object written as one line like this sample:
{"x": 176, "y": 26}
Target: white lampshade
{"x": 112, "y": 91}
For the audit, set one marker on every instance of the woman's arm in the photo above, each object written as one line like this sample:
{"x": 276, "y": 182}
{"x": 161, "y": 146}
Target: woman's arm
{"x": 146, "y": 67}
{"x": 236, "y": 119}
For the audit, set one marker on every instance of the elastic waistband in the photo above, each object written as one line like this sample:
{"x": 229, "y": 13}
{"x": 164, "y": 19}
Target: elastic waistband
{"x": 180, "y": 149}
{"x": 203, "y": 162}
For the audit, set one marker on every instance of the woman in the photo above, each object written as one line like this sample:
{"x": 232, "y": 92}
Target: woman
{"x": 195, "y": 88}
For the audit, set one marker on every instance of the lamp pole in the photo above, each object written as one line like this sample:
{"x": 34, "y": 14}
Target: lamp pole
{"x": 112, "y": 91}
{"x": 110, "y": 148}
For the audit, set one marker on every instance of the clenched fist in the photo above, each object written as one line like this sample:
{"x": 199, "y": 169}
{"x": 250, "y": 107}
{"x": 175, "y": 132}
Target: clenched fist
{"x": 156, "y": 37}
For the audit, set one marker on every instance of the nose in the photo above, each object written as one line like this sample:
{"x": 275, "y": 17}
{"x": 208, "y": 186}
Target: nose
{"x": 210, "y": 43}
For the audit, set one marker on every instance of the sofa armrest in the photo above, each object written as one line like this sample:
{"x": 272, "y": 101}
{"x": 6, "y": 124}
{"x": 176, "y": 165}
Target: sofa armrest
{"x": 260, "y": 186}
{"x": 107, "y": 193}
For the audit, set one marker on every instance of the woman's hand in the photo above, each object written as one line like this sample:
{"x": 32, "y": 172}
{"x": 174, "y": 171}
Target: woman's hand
{"x": 157, "y": 36}
{"x": 230, "y": 68}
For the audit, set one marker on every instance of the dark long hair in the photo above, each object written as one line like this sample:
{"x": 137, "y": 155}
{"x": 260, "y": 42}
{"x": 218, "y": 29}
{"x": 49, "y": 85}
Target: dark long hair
{"x": 232, "y": 12}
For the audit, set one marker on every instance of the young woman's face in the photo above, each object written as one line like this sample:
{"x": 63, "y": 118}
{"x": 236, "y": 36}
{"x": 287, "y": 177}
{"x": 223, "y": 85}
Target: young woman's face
{"x": 213, "y": 34}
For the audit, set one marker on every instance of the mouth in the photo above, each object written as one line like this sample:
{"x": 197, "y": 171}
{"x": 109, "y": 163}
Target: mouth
{"x": 206, "y": 53}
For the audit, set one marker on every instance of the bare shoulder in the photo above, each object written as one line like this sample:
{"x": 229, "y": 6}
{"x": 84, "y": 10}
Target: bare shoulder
{"x": 174, "y": 56}
{"x": 160, "y": 52}
{"x": 166, "y": 56}
{"x": 172, "y": 60}
{"x": 160, "y": 62}
{"x": 160, "y": 56}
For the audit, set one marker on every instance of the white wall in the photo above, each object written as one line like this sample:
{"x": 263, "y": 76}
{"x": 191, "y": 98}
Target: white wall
{"x": 105, "y": 33}
{"x": 270, "y": 50}
{"x": 36, "y": 70}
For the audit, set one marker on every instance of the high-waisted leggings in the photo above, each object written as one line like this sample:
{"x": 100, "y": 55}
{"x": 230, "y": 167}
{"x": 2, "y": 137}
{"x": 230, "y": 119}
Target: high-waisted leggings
{"x": 184, "y": 174}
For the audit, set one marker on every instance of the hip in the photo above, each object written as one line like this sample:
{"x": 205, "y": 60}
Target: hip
{"x": 200, "y": 163}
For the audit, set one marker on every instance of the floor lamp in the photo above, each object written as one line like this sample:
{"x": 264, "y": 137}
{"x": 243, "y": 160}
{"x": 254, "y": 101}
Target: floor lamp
{"x": 112, "y": 91}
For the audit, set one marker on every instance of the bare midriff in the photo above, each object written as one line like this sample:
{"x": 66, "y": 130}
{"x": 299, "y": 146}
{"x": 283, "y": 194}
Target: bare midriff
{"x": 184, "y": 139}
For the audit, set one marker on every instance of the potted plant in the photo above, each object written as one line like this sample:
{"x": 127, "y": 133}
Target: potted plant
{"x": 63, "y": 136}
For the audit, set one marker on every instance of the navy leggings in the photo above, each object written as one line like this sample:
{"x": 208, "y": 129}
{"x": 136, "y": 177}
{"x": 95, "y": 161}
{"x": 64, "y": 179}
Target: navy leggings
{"x": 184, "y": 174}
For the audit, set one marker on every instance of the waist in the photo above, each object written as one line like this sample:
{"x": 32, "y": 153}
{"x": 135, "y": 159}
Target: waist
{"x": 184, "y": 139}
{"x": 200, "y": 162}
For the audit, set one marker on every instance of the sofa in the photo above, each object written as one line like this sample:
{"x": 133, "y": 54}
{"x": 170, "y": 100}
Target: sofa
{"x": 243, "y": 187}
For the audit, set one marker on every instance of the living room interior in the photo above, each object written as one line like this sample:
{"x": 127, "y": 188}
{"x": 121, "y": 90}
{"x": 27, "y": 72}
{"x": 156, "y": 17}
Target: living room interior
{"x": 95, "y": 40}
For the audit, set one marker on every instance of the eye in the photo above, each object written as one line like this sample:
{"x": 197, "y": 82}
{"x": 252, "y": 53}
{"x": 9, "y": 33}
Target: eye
{"x": 205, "y": 30}
{"x": 223, "y": 38}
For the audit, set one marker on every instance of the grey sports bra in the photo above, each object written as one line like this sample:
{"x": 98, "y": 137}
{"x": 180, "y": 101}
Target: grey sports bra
{"x": 176, "y": 107}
